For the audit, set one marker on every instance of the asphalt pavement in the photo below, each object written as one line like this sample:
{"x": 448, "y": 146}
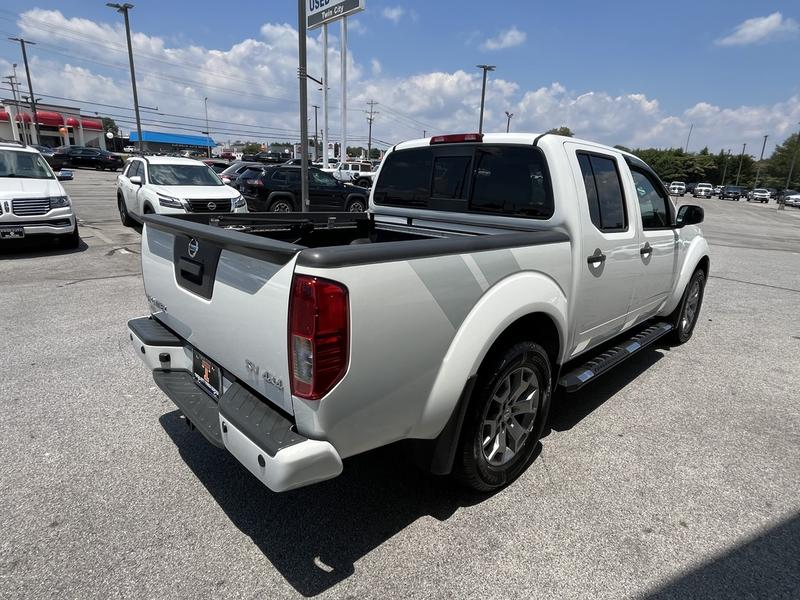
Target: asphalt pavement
{"x": 676, "y": 476}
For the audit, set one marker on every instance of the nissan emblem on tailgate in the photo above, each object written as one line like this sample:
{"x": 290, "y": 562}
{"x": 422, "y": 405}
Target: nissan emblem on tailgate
{"x": 193, "y": 247}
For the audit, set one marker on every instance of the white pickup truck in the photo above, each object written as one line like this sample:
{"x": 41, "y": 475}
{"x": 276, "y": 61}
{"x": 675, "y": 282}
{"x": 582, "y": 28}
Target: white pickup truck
{"x": 490, "y": 270}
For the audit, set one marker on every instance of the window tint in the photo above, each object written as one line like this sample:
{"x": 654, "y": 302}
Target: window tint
{"x": 511, "y": 180}
{"x": 603, "y": 192}
{"x": 321, "y": 178}
{"x": 652, "y": 204}
{"x": 136, "y": 169}
{"x": 279, "y": 176}
{"x": 450, "y": 177}
{"x": 405, "y": 178}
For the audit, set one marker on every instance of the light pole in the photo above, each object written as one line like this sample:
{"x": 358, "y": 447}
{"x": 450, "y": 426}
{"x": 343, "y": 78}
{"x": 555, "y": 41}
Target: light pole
{"x": 22, "y": 43}
{"x": 741, "y": 159}
{"x": 124, "y": 8}
{"x": 688, "y": 137}
{"x": 725, "y": 170}
{"x": 486, "y": 69}
{"x": 208, "y": 131}
{"x": 758, "y": 169}
{"x": 508, "y": 122}
{"x": 301, "y": 73}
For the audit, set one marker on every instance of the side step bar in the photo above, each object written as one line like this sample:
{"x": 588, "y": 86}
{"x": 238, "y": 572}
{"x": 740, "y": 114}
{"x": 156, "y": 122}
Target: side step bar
{"x": 610, "y": 358}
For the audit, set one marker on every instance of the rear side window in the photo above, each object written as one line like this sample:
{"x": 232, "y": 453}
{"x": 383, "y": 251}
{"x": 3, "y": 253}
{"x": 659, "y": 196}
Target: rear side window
{"x": 405, "y": 178}
{"x": 603, "y": 192}
{"x": 511, "y": 180}
{"x": 135, "y": 169}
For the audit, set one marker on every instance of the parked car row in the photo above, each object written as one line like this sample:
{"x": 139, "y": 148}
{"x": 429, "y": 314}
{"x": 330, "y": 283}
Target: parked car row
{"x": 724, "y": 192}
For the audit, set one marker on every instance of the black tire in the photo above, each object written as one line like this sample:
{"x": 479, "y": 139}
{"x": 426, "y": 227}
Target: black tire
{"x": 356, "y": 205}
{"x": 148, "y": 210}
{"x": 363, "y": 182}
{"x": 488, "y": 413}
{"x": 684, "y": 318}
{"x": 281, "y": 205}
{"x": 123, "y": 213}
{"x": 71, "y": 240}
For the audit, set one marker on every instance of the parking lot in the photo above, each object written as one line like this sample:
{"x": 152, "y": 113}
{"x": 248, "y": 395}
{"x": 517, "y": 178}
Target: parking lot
{"x": 675, "y": 476}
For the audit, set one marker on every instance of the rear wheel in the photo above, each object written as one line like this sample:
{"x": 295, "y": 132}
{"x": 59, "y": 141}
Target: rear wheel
{"x": 363, "y": 182}
{"x": 685, "y": 316}
{"x": 281, "y": 205}
{"x": 505, "y": 418}
{"x": 356, "y": 205}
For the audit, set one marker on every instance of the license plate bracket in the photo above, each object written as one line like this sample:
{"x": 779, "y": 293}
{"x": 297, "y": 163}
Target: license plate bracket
{"x": 207, "y": 374}
{"x": 11, "y": 232}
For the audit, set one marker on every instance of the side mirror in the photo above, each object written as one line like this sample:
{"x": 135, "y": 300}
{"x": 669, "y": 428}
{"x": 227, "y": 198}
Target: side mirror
{"x": 136, "y": 180}
{"x": 226, "y": 180}
{"x": 689, "y": 214}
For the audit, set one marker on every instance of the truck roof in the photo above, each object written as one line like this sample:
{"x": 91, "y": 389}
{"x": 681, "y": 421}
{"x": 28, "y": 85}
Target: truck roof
{"x": 513, "y": 138}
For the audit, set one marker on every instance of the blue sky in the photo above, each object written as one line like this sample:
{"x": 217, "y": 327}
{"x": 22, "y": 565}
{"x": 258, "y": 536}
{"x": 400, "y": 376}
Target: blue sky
{"x": 669, "y": 52}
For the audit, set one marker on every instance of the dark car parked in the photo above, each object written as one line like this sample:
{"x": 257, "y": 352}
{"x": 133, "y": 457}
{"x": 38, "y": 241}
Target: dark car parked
{"x": 732, "y": 192}
{"x": 218, "y": 166}
{"x": 92, "y": 158}
{"x": 274, "y": 158}
{"x": 277, "y": 189}
{"x": 235, "y": 169}
{"x": 56, "y": 162}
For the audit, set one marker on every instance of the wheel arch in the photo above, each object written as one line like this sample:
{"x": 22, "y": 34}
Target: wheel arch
{"x": 282, "y": 195}
{"x": 697, "y": 256}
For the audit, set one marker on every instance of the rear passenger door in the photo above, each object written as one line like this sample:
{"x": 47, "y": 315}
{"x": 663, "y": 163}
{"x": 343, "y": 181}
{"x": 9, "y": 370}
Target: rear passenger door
{"x": 608, "y": 250}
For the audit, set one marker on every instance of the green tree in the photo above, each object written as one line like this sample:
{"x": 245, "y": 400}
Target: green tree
{"x": 251, "y": 148}
{"x": 778, "y": 165}
{"x": 563, "y": 130}
{"x": 110, "y": 125}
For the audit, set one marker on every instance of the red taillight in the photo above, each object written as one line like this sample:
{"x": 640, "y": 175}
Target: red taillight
{"x": 456, "y": 138}
{"x": 318, "y": 335}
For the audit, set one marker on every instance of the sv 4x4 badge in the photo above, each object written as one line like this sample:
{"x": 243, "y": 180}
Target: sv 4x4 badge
{"x": 266, "y": 375}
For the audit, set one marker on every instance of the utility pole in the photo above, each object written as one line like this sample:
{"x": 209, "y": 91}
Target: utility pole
{"x": 508, "y": 121}
{"x": 741, "y": 159}
{"x": 301, "y": 74}
{"x": 370, "y": 118}
{"x": 13, "y": 118}
{"x": 22, "y": 43}
{"x": 686, "y": 149}
{"x": 316, "y": 128}
{"x": 208, "y": 131}
{"x": 758, "y": 168}
{"x": 343, "y": 83}
{"x": 725, "y": 170}
{"x": 486, "y": 69}
{"x": 424, "y": 133}
{"x": 124, "y": 8}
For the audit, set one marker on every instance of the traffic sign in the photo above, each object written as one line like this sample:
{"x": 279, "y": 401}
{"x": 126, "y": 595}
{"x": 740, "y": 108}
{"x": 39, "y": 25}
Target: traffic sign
{"x": 326, "y": 11}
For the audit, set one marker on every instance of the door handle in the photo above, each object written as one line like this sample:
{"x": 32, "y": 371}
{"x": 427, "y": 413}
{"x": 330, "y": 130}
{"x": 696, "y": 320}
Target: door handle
{"x": 596, "y": 258}
{"x": 646, "y": 249}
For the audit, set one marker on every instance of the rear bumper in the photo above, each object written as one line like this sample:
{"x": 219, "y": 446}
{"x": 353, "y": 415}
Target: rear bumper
{"x": 260, "y": 436}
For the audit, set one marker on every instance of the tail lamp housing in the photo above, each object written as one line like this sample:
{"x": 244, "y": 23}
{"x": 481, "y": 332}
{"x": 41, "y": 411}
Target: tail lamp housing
{"x": 319, "y": 332}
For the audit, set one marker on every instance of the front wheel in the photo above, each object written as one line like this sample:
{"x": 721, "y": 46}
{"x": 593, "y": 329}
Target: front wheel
{"x": 123, "y": 213}
{"x": 505, "y": 418}
{"x": 71, "y": 240}
{"x": 685, "y": 316}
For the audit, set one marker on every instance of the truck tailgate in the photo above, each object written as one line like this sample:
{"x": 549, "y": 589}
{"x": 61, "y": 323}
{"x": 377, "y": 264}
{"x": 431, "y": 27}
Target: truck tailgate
{"x": 197, "y": 278}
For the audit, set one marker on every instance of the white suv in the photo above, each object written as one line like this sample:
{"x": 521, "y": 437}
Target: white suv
{"x": 168, "y": 185}
{"x": 32, "y": 201}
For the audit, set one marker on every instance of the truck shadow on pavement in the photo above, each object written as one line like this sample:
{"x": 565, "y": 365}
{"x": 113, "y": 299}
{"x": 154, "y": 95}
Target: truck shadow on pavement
{"x": 314, "y": 536}
{"x": 765, "y": 566}
{"x": 32, "y": 248}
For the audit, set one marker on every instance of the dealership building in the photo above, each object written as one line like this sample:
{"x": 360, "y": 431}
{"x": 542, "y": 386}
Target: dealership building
{"x": 58, "y": 125}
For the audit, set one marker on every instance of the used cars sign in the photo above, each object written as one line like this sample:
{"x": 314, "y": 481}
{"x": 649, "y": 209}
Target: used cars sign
{"x": 326, "y": 11}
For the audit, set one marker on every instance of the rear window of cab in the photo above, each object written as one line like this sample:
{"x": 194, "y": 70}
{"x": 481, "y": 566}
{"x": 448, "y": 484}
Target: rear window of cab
{"x": 507, "y": 180}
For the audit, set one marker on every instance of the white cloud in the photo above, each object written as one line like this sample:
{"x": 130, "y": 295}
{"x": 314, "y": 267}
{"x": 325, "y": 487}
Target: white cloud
{"x": 393, "y": 13}
{"x": 355, "y": 26}
{"x": 505, "y": 39}
{"x": 253, "y": 84}
{"x": 761, "y": 29}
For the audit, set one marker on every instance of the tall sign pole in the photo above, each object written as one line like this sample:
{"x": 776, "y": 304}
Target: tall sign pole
{"x": 760, "y": 160}
{"x": 325, "y": 96}
{"x": 343, "y": 147}
{"x": 124, "y": 8}
{"x": 301, "y": 73}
